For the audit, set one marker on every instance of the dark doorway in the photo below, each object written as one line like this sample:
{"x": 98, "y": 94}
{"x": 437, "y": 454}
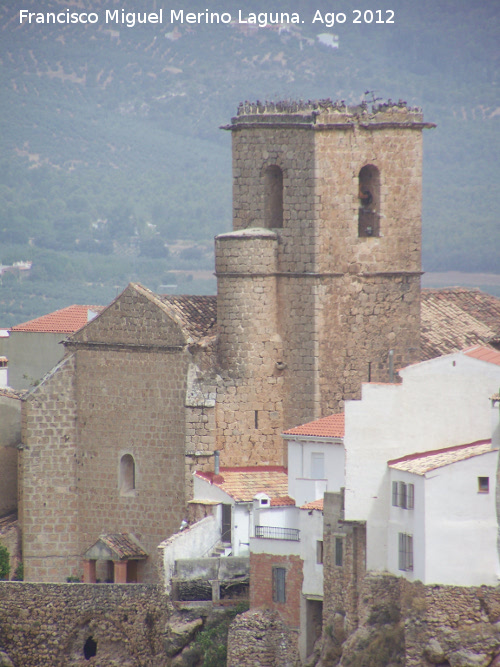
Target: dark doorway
{"x": 226, "y": 523}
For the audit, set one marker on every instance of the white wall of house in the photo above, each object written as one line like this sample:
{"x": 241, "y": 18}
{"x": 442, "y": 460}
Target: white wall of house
{"x": 461, "y": 524}
{"x": 308, "y": 480}
{"x": 241, "y": 515}
{"x": 440, "y": 403}
{"x": 195, "y": 542}
{"x": 311, "y": 532}
{"x": 410, "y": 522}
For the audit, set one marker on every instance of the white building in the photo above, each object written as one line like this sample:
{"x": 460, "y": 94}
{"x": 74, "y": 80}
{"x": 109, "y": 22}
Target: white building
{"x": 440, "y": 404}
{"x": 442, "y": 520}
{"x": 315, "y": 458}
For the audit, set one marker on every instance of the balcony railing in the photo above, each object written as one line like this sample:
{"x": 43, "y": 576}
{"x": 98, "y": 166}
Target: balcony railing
{"x": 275, "y": 533}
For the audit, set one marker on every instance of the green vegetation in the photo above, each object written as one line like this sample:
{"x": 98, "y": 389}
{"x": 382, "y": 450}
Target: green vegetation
{"x": 111, "y": 145}
{"x": 209, "y": 648}
{"x": 4, "y": 562}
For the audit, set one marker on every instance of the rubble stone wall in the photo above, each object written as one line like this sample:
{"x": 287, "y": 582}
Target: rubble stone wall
{"x": 48, "y": 625}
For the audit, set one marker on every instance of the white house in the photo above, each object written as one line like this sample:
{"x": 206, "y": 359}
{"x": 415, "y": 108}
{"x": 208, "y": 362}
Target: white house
{"x": 315, "y": 458}
{"x": 442, "y": 520}
{"x": 440, "y": 404}
{"x": 247, "y": 497}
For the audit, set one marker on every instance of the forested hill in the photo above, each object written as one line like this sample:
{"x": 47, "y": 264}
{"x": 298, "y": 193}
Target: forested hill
{"x": 109, "y": 134}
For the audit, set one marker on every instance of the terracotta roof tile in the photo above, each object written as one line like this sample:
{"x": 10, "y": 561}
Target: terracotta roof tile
{"x": 67, "y": 320}
{"x": 314, "y": 505}
{"x": 423, "y": 462}
{"x": 13, "y": 393}
{"x": 282, "y": 502}
{"x": 123, "y": 545}
{"x": 456, "y": 318}
{"x": 198, "y": 313}
{"x": 484, "y": 354}
{"x": 326, "y": 427}
{"x": 243, "y": 484}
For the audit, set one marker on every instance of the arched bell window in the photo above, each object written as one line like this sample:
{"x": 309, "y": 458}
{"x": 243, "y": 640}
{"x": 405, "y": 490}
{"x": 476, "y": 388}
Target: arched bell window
{"x": 369, "y": 201}
{"x": 273, "y": 197}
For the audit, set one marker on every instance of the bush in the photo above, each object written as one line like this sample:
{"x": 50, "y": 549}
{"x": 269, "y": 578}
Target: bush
{"x": 4, "y": 562}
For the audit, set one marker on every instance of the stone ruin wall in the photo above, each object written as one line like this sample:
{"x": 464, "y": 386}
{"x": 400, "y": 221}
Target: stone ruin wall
{"x": 47, "y": 625}
{"x": 48, "y": 508}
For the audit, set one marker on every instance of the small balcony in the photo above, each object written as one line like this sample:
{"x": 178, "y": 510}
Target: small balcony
{"x": 276, "y": 533}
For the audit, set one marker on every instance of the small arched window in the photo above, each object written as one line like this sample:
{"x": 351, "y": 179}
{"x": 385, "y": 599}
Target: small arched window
{"x": 127, "y": 474}
{"x": 273, "y": 197}
{"x": 369, "y": 201}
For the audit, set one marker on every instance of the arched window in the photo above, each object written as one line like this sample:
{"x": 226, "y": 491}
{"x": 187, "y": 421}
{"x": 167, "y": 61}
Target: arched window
{"x": 369, "y": 201}
{"x": 273, "y": 197}
{"x": 127, "y": 473}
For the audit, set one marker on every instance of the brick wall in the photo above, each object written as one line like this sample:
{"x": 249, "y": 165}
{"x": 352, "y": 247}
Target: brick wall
{"x": 261, "y": 586}
{"x": 47, "y": 625}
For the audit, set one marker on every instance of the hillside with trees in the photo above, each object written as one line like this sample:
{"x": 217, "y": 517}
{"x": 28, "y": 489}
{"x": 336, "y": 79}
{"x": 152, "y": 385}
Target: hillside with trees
{"x": 112, "y": 166}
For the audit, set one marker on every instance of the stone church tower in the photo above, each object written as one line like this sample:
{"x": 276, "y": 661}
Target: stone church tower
{"x": 319, "y": 283}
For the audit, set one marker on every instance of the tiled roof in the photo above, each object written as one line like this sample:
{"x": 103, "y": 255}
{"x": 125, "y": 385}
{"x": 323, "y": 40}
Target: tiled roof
{"x": 282, "y": 502}
{"x": 326, "y": 427}
{"x": 197, "y": 313}
{"x": 67, "y": 320}
{"x": 123, "y": 546}
{"x": 484, "y": 354}
{"x": 455, "y": 318}
{"x": 423, "y": 462}
{"x": 243, "y": 484}
{"x": 314, "y": 505}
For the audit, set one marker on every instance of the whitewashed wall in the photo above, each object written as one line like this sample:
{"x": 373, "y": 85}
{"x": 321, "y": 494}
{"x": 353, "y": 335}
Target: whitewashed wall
{"x": 441, "y": 403}
{"x": 301, "y": 486}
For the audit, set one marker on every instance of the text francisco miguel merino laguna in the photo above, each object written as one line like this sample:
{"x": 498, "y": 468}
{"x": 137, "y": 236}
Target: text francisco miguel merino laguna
{"x": 130, "y": 19}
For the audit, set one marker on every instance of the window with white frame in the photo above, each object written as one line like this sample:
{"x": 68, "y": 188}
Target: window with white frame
{"x": 317, "y": 465}
{"x": 405, "y": 552}
{"x": 403, "y": 495}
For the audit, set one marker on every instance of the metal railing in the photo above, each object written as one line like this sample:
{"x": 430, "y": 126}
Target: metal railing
{"x": 275, "y": 533}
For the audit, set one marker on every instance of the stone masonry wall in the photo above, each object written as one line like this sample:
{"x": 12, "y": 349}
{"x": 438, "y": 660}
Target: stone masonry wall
{"x": 49, "y": 503}
{"x": 131, "y": 402}
{"x": 121, "y": 391}
{"x": 261, "y": 639}
{"x": 48, "y": 625}
{"x": 343, "y": 300}
{"x": 249, "y": 409}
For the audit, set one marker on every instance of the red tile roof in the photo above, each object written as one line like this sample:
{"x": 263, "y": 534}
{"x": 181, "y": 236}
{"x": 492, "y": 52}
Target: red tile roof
{"x": 484, "y": 354}
{"x": 282, "y": 502}
{"x": 326, "y": 427}
{"x": 314, "y": 505}
{"x": 422, "y": 462}
{"x": 455, "y": 318}
{"x": 243, "y": 484}
{"x": 67, "y": 320}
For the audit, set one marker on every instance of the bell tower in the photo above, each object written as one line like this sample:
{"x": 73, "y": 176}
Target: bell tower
{"x": 332, "y": 196}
